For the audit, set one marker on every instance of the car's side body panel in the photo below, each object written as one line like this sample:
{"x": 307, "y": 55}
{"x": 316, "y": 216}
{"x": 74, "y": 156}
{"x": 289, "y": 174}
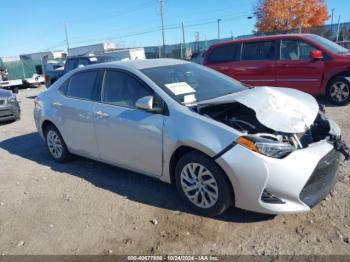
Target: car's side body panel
{"x": 308, "y": 75}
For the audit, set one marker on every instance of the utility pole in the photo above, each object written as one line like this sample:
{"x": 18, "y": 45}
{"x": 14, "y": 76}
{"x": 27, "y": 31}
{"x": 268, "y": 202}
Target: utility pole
{"x": 65, "y": 30}
{"x": 197, "y": 37}
{"x": 183, "y": 40}
{"x": 219, "y": 20}
{"x": 332, "y": 22}
{"x": 337, "y": 37}
{"x": 161, "y": 2}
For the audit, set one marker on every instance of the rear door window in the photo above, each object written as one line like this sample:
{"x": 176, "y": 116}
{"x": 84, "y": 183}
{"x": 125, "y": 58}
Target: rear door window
{"x": 264, "y": 50}
{"x": 223, "y": 53}
{"x": 82, "y": 84}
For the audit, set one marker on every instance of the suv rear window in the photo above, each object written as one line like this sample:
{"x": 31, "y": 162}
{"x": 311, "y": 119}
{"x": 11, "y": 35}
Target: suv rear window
{"x": 223, "y": 53}
{"x": 70, "y": 64}
{"x": 264, "y": 50}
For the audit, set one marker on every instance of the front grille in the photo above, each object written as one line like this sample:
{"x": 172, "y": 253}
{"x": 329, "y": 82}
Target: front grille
{"x": 322, "y": 179}
{"x": 5, "y": 113}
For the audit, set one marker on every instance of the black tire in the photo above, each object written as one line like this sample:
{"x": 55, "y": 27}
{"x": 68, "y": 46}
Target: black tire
{"x": 225, "y": 198}
{"x": 330, "y": 92}
{"x": 14, "y": 90}
{"x": 64, "y": 156}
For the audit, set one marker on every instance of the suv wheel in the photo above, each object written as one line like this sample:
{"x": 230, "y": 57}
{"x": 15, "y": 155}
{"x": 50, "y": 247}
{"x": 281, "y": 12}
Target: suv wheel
{"x": 203, "y": 185}
{"x": 338, "y": 91}
{"x": 54, "y": 141}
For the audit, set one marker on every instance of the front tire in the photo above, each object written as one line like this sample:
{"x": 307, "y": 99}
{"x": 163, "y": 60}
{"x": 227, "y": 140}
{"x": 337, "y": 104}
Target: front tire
{"x": 338, "y": 91}
{"x": 203, "y": 185}
{"x": 56, "y": 145}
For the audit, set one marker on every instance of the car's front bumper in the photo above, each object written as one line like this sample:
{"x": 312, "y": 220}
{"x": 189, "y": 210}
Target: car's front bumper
{"x": 300, "y": 180}
{"x": 9, "y": 112}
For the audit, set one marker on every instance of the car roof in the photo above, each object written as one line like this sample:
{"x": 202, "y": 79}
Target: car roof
{"x": 140, "y": 63}
{"x": 262, "y": 38}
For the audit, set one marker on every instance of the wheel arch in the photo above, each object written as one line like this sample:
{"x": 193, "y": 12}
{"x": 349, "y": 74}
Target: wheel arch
{"x": 184, "y": 149}
{"x": 345, "y": 73}
{"x": 45, "y": 124}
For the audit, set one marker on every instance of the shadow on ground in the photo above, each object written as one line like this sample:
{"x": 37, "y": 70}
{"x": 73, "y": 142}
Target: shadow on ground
{"x": 134, "y": 186}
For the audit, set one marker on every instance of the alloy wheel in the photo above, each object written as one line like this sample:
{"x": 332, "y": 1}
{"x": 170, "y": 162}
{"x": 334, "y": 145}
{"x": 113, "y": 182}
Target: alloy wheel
{"x": 54, "y": 144}
{"x": 199, "y": 185}
{"x": 339, "y": 91}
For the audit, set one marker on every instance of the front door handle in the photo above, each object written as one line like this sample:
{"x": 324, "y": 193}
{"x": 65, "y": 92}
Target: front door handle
{"x": 56, "y": 104}
{"x": 100, "y": 114}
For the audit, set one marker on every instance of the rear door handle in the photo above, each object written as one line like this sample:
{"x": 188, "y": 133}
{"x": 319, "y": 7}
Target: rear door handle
{"x": 100, "y": 114}
{"x": 57, "y": 104}
{"x": 284, "y": 65}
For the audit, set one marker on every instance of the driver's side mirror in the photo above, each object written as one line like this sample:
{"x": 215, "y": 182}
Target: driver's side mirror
{"x": 146, "y": 103}
{"x": 316, "y": 54}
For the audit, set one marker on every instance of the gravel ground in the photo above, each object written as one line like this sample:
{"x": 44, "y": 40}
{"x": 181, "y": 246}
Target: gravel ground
{"x": 85, "y": 207}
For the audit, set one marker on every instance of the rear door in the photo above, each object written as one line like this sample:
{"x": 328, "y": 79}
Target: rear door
{"x": 295, "y": 68}
{"x": 74, "y": 112}
{"x": 257, "y": 64}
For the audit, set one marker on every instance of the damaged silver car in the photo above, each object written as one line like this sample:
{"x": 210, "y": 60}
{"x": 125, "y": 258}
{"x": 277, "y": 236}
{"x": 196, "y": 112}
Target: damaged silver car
{"x": 223, "y": 144}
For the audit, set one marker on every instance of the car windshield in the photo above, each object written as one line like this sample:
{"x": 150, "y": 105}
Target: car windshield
{"x": 331, "y": 46}
{"x": 191, "y": 83}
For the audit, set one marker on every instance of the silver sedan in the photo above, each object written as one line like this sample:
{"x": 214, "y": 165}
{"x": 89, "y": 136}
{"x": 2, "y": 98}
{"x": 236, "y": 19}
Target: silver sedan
{"x": 222, "y": 143}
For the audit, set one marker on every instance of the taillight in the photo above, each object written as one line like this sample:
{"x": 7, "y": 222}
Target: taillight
{"x": 46, "y": 78}
{"x": 36, "y": 100}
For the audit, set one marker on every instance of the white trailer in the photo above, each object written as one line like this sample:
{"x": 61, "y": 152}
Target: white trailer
{"x": 128, "y": 54}
{"x": 96, "y": 49}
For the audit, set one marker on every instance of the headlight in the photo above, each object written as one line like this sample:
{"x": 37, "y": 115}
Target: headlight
{"x": 12, "y": 99}
{"x": 265, "y": 146}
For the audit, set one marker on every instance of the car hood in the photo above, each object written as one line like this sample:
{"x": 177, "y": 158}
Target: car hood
{"x": 281, "y": 109}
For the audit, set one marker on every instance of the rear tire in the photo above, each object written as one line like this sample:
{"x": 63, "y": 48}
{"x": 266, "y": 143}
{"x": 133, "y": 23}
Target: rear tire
{"x": 56, "y": 145}
{"x": 338, "y": 91}
{"x": 203, "y": 185}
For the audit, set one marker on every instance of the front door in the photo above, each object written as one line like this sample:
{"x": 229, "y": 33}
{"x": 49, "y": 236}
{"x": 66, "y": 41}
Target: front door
{"x": 127, "y": 136}
{"x": 295, "y": 68}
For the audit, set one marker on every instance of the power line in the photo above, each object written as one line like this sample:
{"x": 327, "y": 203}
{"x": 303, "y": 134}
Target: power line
{"x": 158, "y": 29}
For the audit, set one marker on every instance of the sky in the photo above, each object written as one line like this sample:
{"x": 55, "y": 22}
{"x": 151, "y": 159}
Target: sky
{"x": 38, "y": 25}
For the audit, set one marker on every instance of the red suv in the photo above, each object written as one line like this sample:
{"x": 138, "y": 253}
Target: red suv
{"x": 306, "y": 62}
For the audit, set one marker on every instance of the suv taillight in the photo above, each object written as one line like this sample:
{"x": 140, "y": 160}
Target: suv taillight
{"x": 36, "y": 100}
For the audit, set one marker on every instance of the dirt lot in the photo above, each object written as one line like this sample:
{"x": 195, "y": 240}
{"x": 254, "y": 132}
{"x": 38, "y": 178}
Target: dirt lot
{"x": 85, "y": 207}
